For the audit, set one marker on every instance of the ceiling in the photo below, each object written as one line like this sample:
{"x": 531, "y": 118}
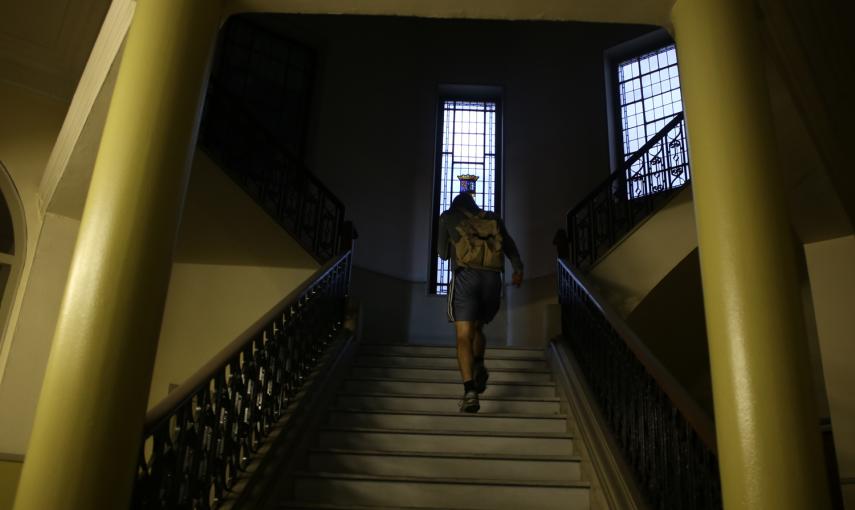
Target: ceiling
{"x": 653, "y": 12}
{"x": 44, "y": 44}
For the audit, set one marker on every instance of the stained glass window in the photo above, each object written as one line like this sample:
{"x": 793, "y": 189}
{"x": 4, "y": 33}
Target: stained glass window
{"x": 468, "y": 146}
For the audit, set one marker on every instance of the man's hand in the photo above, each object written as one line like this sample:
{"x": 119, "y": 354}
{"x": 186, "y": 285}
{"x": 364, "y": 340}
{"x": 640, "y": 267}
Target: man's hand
{"x": 517, "y": 278}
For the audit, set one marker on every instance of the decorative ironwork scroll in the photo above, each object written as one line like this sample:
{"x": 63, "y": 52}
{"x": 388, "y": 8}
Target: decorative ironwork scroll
{"x": 670, "y": 451}
{"x": 200, "y": 438}
{"x": 629, "y": 195}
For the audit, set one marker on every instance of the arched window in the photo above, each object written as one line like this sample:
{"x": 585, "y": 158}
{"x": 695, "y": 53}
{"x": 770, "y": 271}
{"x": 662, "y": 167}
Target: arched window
{"x": 12, "y": 245}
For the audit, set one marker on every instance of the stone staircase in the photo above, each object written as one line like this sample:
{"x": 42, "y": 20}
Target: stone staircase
{"x": 394, "y": 438}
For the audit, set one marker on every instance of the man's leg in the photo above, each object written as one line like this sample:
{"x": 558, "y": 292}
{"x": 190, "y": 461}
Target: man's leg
{"x": 465, "y": 337}
{"x": 480, "y": 374}
{"x": 479, "y": 343}
{"x": 466, "y": 333}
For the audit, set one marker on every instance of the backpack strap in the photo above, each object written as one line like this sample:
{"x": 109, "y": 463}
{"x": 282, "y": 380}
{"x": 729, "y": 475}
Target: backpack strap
{"x": 482, "y": 214}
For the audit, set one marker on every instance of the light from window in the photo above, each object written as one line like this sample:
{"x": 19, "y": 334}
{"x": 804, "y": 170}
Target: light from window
{"x": 468, "y": 147}
{"x": 649, "y": 92}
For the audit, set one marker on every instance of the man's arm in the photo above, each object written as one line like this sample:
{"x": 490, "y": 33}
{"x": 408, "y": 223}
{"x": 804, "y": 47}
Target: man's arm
{"x": 442, "y": 239}
{"x": 513, "y": 254}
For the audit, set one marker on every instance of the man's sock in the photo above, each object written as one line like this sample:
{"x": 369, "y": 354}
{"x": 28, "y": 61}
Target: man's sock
{"x": 468, "y": 386}
{"x": 479, "y": 360}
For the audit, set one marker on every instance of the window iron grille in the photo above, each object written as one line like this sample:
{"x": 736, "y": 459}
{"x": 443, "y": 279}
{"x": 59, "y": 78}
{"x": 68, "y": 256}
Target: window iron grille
{"x": 650, "y": 97}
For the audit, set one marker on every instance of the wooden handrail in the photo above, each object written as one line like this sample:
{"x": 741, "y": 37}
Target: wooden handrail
{"x": 202, "y": 376}
{"x": 621, "y": 172}
{"x": 691, "y": 411}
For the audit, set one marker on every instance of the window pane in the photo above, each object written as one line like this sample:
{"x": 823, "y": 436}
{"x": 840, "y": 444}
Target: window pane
{"x": 7, "y": 233}
{"x": 645, "y": 113}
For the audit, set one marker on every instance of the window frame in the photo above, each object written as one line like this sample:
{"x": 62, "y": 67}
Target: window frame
{"x": 480, "y": 93}
{"x": 16, "y": 259}
{"x": 612, "y": 58}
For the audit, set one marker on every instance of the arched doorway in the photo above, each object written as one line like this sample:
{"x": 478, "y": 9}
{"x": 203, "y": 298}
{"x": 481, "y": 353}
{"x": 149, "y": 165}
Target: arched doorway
{"x": 12, "y": 247}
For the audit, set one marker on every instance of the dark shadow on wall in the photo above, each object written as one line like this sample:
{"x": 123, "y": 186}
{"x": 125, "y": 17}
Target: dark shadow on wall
{"x": 671, "y": 322}
{"x": 222, "y": 225}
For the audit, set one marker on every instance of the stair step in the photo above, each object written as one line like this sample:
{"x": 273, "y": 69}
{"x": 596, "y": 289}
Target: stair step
{"x": 450, "y": 420}
{"x": 443, "y": 361}
{"x": 448, "y": 465}
{"x": 499, "y": 352}
{"x": 316, "y": 505}
{"x": 416, "y": 386}
{"x": 450, "y": 374}
{"x": 434, "y": 441}
{"x": 415, "y": 402}
{"x": 420, "y": 492}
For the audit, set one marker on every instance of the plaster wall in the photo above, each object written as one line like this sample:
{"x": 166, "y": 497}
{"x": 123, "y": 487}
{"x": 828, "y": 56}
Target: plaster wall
{"x": 832, "y": 284}
{"x": 10, "y": 472}
{"x": 372, "y": 140}
{"x": 232, "y": 264}
{"x": 30, "y": 124}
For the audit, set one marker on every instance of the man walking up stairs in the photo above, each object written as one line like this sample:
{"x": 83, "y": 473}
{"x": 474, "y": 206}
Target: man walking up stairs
{"x": 477, "y": 242}
{"x": 394, "y": 439}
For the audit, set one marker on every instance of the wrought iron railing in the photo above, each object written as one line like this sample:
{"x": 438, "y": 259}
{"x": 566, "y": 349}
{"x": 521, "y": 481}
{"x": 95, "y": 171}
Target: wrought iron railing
{"x": 279, "y": 182}
{"x": 642, "y": 184}
{"x": 198, "y": 440}
{"x": 665, "y": 437}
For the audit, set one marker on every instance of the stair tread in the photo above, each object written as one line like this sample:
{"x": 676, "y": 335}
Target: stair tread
{"x": 446, "y": 346}
{"x": 422, "y": 380}
{"x": 453, "y": 455}
{"x": 454, "y": 481}
{"x": 334, "y": 506}
{"x": 482, "y": 397}
{"x": 440, "y": 356}
{"x": 451, "y": 413}
{"x": 455, "y": 369}
{"x": 439, "y": 432}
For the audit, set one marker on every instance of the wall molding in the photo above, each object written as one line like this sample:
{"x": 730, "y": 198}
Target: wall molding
{"x": 104, "y": 53}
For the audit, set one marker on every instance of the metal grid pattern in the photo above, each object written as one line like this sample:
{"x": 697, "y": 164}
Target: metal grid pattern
{"x": 468, "y": 147}
{"x": 272, "y": 74}
{"x": 649, "y": 90}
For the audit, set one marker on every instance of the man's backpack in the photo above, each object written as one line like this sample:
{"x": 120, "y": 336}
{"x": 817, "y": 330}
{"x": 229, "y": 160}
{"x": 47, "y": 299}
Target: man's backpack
{"x": 480, "y": 243}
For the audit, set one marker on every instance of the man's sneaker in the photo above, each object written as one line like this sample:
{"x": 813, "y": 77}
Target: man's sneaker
{"x": 480, "y": 378}
{"x": 469, "y": 403}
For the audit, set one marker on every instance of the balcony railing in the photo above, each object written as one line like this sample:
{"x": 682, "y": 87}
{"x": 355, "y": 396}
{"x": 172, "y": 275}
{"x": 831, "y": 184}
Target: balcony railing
{"x": 665, "y": 437}
{"x": 198, "y": 440}
{"x": 642, "y": 185}
{"x": 279, "y": 182}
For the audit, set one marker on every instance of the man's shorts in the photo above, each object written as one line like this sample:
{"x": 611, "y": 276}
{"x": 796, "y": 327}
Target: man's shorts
{"x": 474, "y": 295}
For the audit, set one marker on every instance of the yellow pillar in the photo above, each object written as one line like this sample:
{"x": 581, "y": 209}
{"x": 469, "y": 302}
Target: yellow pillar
{"x": 84, "y": 444}
{"x": 767, "y": 425}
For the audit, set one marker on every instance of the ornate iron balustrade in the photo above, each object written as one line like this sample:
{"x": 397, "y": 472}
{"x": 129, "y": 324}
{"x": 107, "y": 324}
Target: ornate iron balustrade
{"x": 667, "y": 440}
{"x": 642, "y": 184}
{"x": 201, "y": 436}
{"x": 279, "y": 182}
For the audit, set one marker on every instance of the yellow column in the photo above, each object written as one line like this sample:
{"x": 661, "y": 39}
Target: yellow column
{"x": 767, "y": 425}
{"x": 84, "y": 444}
